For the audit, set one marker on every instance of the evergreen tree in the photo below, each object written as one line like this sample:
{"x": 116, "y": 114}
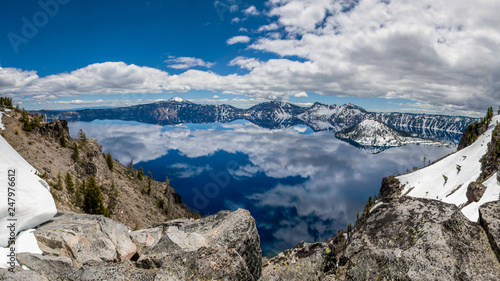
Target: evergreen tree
{"x": 78, "y": 193}
{"x": 92, "y": 198}
{"x": 63, "y": 140}
{"x": 113, "y": 199}
{"x": 82, "y": 137}
{"x": 140, "y": 174}
{"x": 109, "y": 161}
{"x": 70, "y": 186}
{"x": 76, "y": 153}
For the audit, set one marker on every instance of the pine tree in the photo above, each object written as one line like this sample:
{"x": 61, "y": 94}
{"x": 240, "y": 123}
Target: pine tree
{"x": 92, "y": 198}
{"x": 357, "y": 215}
{"x": 76, "y": 153}
{"x": 82, "y": 137}
{"x": 140, "y": 174}
{"x": 70, "y": 186}
{"x": 109, "y": 161}
{"x": 113, "y": 199}
{"x": 63, "y": 140}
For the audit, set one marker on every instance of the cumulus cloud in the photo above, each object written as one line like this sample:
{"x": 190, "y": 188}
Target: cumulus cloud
{"x": 443, "y": 54}
{"x": 268, "y": 27}
{"x": 247, "y": 63}
{"x": 183, "y": 170}
{"x": 186, "y": 62}
{"x": 238, "y": 39}
{"x": 251, "y": 11}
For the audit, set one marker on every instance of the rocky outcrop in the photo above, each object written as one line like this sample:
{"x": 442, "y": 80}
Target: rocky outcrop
{"x": 304, "y": 262}
{"x": 390, "y": 187}
{"x": 145, "y": 239}
{"x": 419, "y": 239}
{"x": 224, "y": 230}
{"x": 84, "y": 238}
{"x": 475, "y": 191}
{"x": 489, "y": 218}
{"x": 224, "y": 246}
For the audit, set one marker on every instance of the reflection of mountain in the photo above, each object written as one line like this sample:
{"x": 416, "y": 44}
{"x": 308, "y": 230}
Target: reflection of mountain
{"x": 376, "y": 136}
{"x": 273, "y": 115}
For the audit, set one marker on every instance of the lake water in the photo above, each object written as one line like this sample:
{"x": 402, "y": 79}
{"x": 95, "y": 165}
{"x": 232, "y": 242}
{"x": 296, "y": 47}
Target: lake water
{"x": 298, "y": 184}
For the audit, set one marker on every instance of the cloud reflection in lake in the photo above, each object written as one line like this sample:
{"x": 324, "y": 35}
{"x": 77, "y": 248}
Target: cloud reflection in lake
{"x": 299, "y": 185}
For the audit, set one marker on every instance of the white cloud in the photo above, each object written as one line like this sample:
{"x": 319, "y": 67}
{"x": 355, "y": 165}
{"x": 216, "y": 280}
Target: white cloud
{"x": 184, "y": 170}
{"x": 251, "y": 11}
{"x": 235, "y": 20}
{"x": 268, "y": 27}
{"x": 238, "y": 39}
{"x": 215, "y": 97}
{"x": 300, "y": 95}
{"x": 186, "y": 62}
{"x": 443, "y": 54}
{"x": 247, "y": 63}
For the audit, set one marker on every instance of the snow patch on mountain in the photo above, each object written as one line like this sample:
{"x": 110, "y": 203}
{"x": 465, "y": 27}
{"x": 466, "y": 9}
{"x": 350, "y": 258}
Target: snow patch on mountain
{"x": 178, "y": 99}
{"x": 447, "y": 180}
{"x": 375, "y": 133}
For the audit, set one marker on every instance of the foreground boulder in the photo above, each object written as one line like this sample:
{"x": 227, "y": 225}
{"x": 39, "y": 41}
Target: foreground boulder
{"x": 419, "y": 239}
{"x": 235, "y": 231}
{"x": 84, "y": 238}
{"x": 225, "y": 246}
{"x": 489, "y": 218}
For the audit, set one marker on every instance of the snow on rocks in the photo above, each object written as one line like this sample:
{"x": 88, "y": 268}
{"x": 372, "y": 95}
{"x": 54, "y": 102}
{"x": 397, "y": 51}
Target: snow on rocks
{"x": 2, "y": 127}
{"x": 447, "y": 180}
{"x": 33, "y": 202}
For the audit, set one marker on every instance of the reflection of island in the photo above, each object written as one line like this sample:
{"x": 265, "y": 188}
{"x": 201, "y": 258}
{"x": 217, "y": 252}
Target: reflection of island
{"x": 297, "y": 185}
{"x": 375, "y": 136}
{"x": 274, "y": 115}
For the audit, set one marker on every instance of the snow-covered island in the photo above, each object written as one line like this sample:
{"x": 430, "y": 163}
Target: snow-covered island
{"x": 375, "y": 136}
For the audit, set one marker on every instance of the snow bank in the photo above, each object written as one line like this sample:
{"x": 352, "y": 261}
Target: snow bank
{"x": 33, "y": 202}
{"x": 26, "y": 243}
{"x": 2, "y": 127}
{"x": 448, "y": 179}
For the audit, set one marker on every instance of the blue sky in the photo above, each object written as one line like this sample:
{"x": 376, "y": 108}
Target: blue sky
{"x": 414, "y": 57}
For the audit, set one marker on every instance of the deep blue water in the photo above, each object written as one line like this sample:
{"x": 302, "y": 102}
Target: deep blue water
{"x": 297, "y": 184}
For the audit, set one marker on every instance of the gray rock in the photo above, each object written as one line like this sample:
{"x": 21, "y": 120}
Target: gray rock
{"x": 85, "y": 238}
{"x": 475, "y": 191}
{"x": 419, "y": 239}
{"x": 21, "y": 275}
{"x": 203, "y": 264}
{"x": 304, "y": 262}
{"x": 489, "y": 218}
{"x": 146, "y": 239}
{"x": 94, "y": 271}
{"x": 224, "y": 230}
{"x": 49, "y": 266}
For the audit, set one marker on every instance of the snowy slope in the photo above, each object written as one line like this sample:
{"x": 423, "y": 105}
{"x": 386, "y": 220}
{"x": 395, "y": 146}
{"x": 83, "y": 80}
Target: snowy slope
{"x": 376, "y": 133}
{"x": 430, "y": 183}
{"x": 33, "y": 202}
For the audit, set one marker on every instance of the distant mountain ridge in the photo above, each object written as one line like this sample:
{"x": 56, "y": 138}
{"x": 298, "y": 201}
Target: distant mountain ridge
{"x": 273, "y": 115}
